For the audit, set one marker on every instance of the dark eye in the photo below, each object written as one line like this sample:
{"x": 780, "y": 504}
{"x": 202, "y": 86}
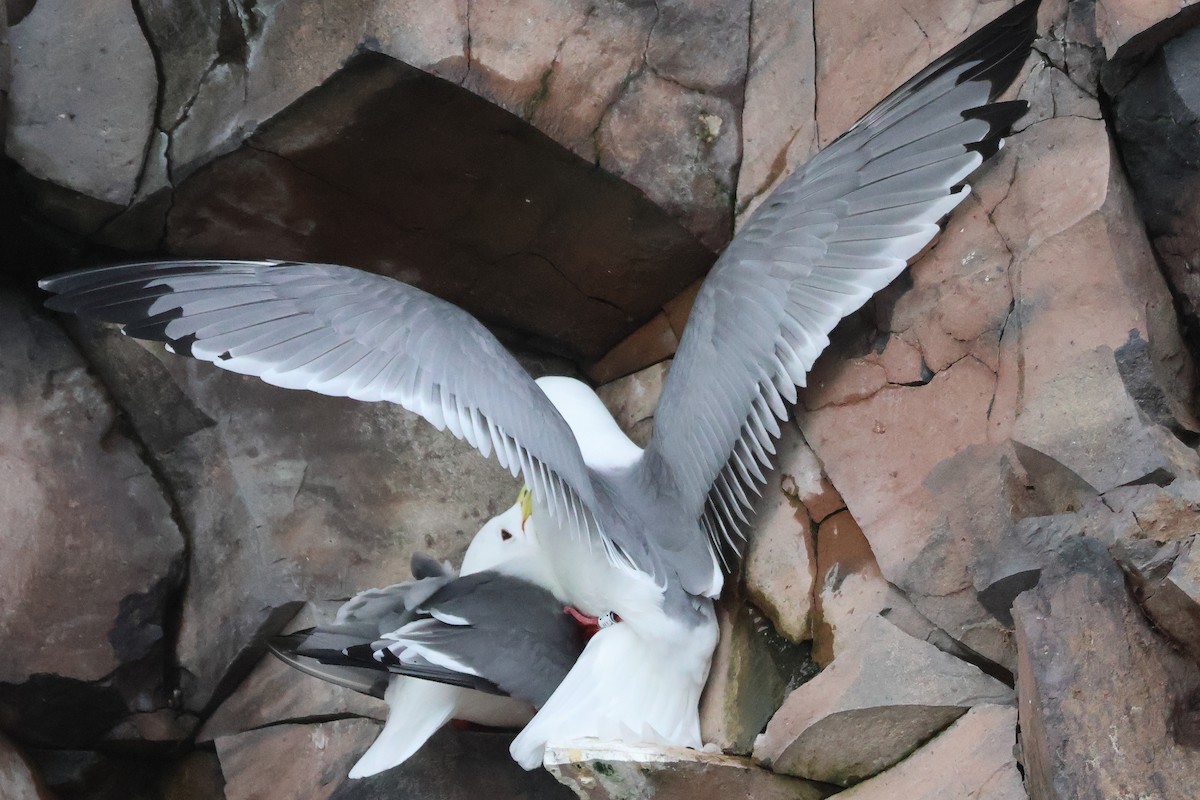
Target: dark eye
{"x": 505, "y": 535}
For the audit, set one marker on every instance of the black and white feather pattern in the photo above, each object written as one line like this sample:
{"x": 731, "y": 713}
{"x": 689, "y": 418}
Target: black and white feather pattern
{"x": 487, "y": 631}
{"x": 348, "y": 333}
{"x": 829, "y": 237}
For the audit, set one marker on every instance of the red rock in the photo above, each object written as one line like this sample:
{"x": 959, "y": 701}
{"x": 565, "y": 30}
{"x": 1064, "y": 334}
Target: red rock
{"x": 973, "y": 759}
{"x": 610, "y": 771}
{"x": 648, "y": 345}
{"x": 877, "y": 702}
{"x": 632, "y": 400}
{"x": 1107, "y": 708}
{"x": 679, "y": 307}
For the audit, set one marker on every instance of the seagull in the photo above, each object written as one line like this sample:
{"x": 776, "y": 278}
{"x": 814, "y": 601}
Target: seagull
{"x": 640, "y": 536}
{"x": 486, "y": 646}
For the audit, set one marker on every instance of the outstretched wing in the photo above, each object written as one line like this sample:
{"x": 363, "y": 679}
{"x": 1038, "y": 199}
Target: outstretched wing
{"x": 347, "y": 333}
{"x": 828, "y": 238}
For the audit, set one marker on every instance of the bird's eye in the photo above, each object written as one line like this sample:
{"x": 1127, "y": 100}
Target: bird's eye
{"x": 505, "y": 535}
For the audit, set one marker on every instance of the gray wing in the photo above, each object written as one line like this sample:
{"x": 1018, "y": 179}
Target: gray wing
{"x": 344, "y": 332}
{"x": 501, "y": 629}
{"x": 828, "y": 238}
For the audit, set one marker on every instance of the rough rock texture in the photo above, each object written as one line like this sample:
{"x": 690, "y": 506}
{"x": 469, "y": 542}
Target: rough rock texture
{"x": 289, "y": 761}
{"x": 602, "y": 771}
{"x": 871, "y": 707}
{"x": 80, "y": 114}
{"x": 91, "y": 554}
{"x": 973, "y": 759}
{"x": 273, "y": 692}
{"x": 1031, "y": 327}
{"x": 288, "y": 496}
{"x": 753, "y": 669}
{"x": 780, "y": 562}
{"x": 632, "y": 400}
{"x": 1080, "y": 637}
{"x": 1156, "y": 127}
{"x": 1165, "y": 580}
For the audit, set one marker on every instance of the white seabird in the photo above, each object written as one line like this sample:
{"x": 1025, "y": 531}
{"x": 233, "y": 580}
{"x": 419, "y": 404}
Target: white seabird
{"x": 487, "y": 646}
{"x": 641, "y": 534}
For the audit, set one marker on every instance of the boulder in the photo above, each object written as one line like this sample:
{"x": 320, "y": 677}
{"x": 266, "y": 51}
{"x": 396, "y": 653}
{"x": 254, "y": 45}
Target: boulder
{"x": 753, "y": 669}
{"x": 872, "y": 706}
{"x": 90, "y": 564}
{"x": 632, "y": 400}
{"x": 778, "y": 124}
{"x": 610, "y": 771}
{"x": 780, "y": 559}
{"x": 497, "y": 217}
{"x": 311, "y": 761}
{"x": 1107, "y": 707}
{"x": 1042, "y": 318}
{"x": 973, "y": 759}
{"x": 274, "y": 692}
{"x": 1155, "y": 126}
{"x": 288, "y": 496}
{"x": 80, "y": 116}
{"x": 1166, "y": 583}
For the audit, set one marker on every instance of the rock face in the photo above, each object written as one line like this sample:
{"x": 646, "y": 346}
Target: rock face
{"x": 91, "y": 556}
{"x": 992, "y": 477}
{"x": 289, "y": 496}
{"x": 872, "y": 706}
{"x": 1081, "y": 637}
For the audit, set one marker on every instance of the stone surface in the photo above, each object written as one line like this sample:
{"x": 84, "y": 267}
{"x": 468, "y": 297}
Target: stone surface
{"x": 648, "y": 345}
{"x": 496, "y": 217}
{"x": 288, "y": 496}
{"x": 286, "y": 761}
{"x": 632, "y": 400}
{"x": 1035, "y": 304}
{"x": 274, "y": 692}
{"x": 753, "y": 669}
{"x": 91, "y": 555}
{"x": 778, "y": 125}
{"x": 779, "y": 566}
{"x": 973, "y": 759}
{"x": 1166, "y": 583}
{"x": 871, "y": 707}
{"x": 80, "y": 116}
{"x": 18, "y": 780}
{"x": 1107, "y": 707}
{"x": 603, "y": 771}
{"x": 311, "y": 761}
{"x": 1156, "y": 116}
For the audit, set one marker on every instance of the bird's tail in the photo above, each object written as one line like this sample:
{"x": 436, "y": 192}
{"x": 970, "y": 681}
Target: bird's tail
{"x": 626, "y": 688}
{"x": 416, "y": 709}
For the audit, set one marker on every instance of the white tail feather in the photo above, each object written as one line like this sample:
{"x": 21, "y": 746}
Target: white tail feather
{"x": 416, "y": 709}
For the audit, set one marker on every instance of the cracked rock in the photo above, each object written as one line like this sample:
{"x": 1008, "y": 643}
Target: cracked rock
{"x": 632, "y": 400}
{"x": 472, "y": 205}
{"x": 1166, "y": 582}
{"x": 876, "y": 703}
{"x": 274, "y": 692}
{"x": 973, "y": 759}
{"x": 608, "y": 771}
{"x": 1107, "y": 707}
{"x": 91, "y": 555}
{"x": 288, "y": 496}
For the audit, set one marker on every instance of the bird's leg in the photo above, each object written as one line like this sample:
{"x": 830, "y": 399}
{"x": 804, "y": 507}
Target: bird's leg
{"x": 591, "y": 625}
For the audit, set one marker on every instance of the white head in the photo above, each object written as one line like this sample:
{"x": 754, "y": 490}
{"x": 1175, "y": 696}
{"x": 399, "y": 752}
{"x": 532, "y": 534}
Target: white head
{"x": 601, "y": 441}
{"x": 508, "y": 543}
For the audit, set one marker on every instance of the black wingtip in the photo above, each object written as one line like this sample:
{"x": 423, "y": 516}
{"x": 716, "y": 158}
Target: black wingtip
{"x": 1000, "y": 118}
